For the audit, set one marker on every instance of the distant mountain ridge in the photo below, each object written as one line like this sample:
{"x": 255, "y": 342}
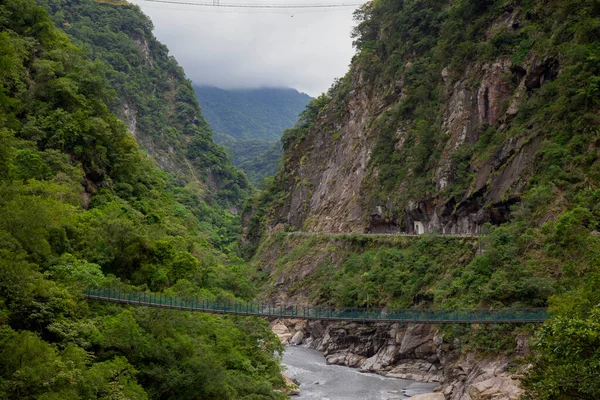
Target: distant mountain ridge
{"x": 250, "y": 123}
{"x": 257, "y": 158}
{"x": 262, "y": 113}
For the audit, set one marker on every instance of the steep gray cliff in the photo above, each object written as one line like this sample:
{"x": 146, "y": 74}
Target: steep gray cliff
{"x": 428, "y": 139}
{"x": 474, "y": 116}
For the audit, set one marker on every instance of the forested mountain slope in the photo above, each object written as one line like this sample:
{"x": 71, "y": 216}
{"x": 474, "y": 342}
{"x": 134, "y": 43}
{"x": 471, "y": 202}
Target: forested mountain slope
{"x": 250, "y": 123}
{"x": 463, "y": 117}
{"x": 153, "y": 96}
{"x": 257, "y": 158}
{"x": 262, "y": 113}
{"x": 80, "y": 205}
{"x": 157, "y": 103}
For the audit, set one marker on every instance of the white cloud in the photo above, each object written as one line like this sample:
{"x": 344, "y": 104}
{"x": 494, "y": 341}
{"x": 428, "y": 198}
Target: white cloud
{"x": 303, "y": 49}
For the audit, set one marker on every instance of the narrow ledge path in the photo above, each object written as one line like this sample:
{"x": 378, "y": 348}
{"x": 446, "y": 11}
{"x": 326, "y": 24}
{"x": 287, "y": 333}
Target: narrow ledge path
{"x": 388, "y": 235}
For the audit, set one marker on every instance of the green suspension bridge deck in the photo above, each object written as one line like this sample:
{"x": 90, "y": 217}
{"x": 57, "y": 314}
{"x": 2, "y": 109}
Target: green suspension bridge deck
{"x": 425, "y": 316}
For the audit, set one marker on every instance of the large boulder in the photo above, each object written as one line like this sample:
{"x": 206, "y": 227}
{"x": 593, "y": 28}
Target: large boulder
{"x": 297, "y": 338}
{"x": 418, "y": 370}
{"x": 282, "y": 332}
{"x": 429, "y": 396}
{"x": 498, "y": 388}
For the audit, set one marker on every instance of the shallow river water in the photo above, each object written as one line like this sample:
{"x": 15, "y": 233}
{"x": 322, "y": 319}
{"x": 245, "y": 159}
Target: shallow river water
{"x": 335, "y": 382}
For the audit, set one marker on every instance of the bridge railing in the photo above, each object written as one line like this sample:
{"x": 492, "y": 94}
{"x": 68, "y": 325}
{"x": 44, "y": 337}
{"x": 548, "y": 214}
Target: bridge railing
{"x": 467, "y": 316}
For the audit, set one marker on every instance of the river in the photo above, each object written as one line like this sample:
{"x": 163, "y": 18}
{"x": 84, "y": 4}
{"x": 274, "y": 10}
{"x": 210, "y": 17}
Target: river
{"x": 336, "y": 382}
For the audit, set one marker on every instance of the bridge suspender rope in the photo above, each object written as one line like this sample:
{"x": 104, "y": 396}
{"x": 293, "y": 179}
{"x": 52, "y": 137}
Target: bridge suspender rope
{"x": 429, "y": 316}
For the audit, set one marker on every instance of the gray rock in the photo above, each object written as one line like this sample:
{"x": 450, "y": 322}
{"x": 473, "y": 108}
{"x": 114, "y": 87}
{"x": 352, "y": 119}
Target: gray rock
{"x": 429, "y": 396}
{"x": 297, "y": 338}
{"x": 497, "y": 388}
{"x": 413, "y": 351}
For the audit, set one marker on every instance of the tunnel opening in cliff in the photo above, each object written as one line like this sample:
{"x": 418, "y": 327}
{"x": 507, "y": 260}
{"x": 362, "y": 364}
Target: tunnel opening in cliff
{"x": 383, "y": 225}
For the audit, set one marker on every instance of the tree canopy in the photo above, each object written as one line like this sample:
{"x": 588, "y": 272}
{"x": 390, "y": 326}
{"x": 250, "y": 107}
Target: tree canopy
{"x": 82, "y": 206}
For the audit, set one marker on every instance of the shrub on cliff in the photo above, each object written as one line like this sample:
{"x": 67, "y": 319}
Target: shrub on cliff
{"x": 567, "y": 365}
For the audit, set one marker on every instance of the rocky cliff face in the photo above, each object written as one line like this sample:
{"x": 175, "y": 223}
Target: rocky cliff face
{"x": 334, "y": 171}
{"x": 413, "y": 351}
{"x": 330, "y": 165}
{"x": 454, "y": 114}
{"x": 416, "y": 139}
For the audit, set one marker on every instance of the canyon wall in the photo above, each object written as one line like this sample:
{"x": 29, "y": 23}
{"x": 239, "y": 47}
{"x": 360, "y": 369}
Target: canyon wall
{"x": 475, "y": 117}
{"x": 419, "y": 140}
{"x": 410, "y": 351}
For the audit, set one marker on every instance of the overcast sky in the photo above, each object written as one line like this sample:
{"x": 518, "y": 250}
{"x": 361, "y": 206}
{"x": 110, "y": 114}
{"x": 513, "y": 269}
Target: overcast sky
{"x": 304, "y": 50}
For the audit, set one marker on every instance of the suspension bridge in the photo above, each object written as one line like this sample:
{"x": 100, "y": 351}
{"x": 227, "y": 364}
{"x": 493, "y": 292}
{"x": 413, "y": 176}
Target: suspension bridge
{"x": 421, "y": 316}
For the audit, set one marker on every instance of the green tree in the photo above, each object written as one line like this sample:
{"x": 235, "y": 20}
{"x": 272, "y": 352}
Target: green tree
{"x": 567, "y": 363}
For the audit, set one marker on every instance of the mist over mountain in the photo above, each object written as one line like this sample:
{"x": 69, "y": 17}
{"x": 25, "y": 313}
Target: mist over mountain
{"x": 262, "y": 113}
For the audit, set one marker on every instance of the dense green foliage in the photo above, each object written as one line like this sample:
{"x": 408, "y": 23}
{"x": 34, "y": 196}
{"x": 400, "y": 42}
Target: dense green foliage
{"x": 257, "y": 158}
{"x": 568, "y": 359}
{"x": 250, "y": 123}
{"x": 264, "y": 165}
{"x": 261, "y": 114}
{"x": 81, "y": 206}
{"x": 157, "y": 102}
{"x": 405, "y": 272}
{"x": 153, "y": 95}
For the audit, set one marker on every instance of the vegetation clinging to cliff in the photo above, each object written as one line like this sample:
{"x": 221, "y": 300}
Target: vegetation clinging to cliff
{"x": 415, "y": 46}
{"x": 82, "y": 206}
{"x": 413, "y": 55}
{"x": 414, "y": 42}
{"x": 157, "y": 102}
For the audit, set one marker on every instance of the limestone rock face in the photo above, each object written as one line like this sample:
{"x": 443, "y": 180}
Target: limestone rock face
{"x": 331, "y": 165}
{"x": 329, "y": 172}
{"x": 282, "y": 332}
{"x": 297, "y": 338}
{"x": 407, "y": 352}
{"x": 497, "y": 388}
{"x": 472, "y": 378}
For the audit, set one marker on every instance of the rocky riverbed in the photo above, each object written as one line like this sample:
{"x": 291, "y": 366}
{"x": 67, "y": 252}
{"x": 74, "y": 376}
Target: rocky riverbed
{"x": 319, "y": 380}
{"x": 412, "y": 352}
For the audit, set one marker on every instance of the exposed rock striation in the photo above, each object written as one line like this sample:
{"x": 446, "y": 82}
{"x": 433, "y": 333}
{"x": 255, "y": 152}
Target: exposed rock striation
{"x": 407, "y": 351}
{"x": 330, "y": 165}
{"x": 355, "y": 168}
